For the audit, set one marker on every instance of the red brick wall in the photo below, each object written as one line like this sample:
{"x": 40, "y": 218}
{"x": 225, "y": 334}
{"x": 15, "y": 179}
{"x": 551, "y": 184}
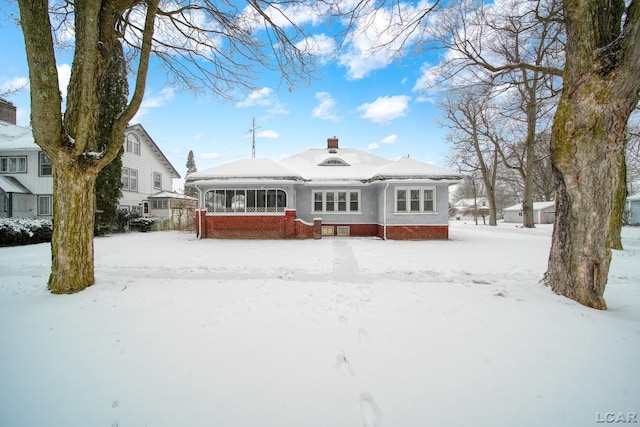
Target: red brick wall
{"x": 288, "y": 227}
{"x": 254, "y": 226}
{"x": 356, "y": 230}
{"x": 415, "y": 232}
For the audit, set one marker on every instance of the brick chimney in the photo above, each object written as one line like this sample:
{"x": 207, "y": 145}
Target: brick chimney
{"x": 7, "y": 112}
{"x": 332, "y": 142}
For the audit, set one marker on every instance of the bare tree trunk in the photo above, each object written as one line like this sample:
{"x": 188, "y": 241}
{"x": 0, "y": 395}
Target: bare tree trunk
{"x": 601, "y": 83}
{"x": 615, "y": 240}
{"x": 72, "y": 240}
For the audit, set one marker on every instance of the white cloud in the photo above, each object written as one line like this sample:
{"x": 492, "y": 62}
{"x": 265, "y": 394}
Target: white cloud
{"x": 278, "y": 108}
{"x": 319, "y": 45}
{"x": 379, "y": 36}
{"x": 199, "y": 136}
{"x": 326, "y": 108}
{"x": 384, "y": 109}
{"x": 391, "y": 139}
{"x": 14, "y": 84}
{"x": 269, "y": 134}
{"x": 263, "y": 97}
{"x": 64, "y": 75}
{"x": 154, "y": 101}
{"x": 209, "y": 155}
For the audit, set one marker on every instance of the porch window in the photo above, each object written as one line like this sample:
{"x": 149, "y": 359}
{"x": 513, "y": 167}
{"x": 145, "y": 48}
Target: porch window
{"x": 336, "y": 201}
{"x": 246, "y": 200}
{"x": 415, "y": 200}
{"x": 159, "y": 204}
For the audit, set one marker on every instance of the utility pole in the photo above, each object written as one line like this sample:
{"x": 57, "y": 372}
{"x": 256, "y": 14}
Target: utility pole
{"x": 253, "y": 137}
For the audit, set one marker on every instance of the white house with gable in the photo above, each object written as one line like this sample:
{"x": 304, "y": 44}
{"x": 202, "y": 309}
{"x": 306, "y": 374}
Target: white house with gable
{"x": 26, "y": 175}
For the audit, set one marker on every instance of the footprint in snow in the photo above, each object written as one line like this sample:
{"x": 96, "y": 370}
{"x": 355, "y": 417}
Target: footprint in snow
{"x": 343, "y": 321}
{"x": 343, "y": 364}
{"x": 369, "y": 411}
{"x": 363, "y": 335}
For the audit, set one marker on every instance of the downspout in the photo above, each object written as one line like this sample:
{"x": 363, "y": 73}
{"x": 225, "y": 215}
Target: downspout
{"x": 199, "y": 235}
{"x": 384, "y": 213}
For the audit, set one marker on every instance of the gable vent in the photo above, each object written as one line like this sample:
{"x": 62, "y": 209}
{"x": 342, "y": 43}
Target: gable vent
{"x": 334, "y": 161}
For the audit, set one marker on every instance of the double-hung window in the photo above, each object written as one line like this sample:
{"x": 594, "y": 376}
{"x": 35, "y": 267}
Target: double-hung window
{"x": 133, "y": 144}
{"x": 336, "y": 201}
{"x": 45, "y": 205}
{"x": 157, "y": 181}
{"x": 416, "y": 200}
{"x": 45, "y": 165}
{"x": 129, "y": 179}
{"x": 13, "y": 164}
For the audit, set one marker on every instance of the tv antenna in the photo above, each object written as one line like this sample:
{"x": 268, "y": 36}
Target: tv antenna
{"x": 253, "y": 137}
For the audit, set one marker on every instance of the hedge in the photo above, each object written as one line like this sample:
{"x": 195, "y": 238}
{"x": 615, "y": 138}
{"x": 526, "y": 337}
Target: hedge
{"x": 24, "y": 231}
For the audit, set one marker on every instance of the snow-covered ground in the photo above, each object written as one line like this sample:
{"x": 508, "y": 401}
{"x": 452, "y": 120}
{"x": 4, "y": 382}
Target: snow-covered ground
{"x": 337, "y": 332}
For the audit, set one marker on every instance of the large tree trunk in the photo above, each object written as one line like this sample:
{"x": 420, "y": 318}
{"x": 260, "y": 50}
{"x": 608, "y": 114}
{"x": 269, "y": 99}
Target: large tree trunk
{"x": 72, "y": 142}
{"x": 601, "y": 83}
{"x": 72, "y": 242}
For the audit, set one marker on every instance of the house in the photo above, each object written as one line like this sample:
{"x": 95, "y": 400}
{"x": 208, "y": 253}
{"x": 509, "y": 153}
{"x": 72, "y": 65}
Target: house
{"x": 146, "y": 171}
{"x": 632, "y": 209}
{"x": 330, "y": 191}
{"x": 470, "y": 207}
{"x": 543, "y": 213}
{"x": 26, "y": 174}
{"x": 178, "y": 209}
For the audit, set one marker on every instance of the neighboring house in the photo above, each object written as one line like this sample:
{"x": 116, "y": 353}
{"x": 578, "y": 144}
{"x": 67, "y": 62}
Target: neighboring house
{"x": 470, "y": 207}
{"x": 179, "y": 209}
{"x": 632, "y": 209}
{"x": 26, "y": 176}
{"x": 145, "y": 171}
{"x": 331, "y": 191}
{"x": 543, "y": 213}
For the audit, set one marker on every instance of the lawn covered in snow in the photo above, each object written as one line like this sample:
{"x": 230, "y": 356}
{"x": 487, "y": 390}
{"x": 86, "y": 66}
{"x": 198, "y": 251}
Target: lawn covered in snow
{"x": 330, "y": 333}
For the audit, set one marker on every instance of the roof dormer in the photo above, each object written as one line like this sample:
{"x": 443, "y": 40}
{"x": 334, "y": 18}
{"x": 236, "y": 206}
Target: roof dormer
{"x": 334, "y": 161}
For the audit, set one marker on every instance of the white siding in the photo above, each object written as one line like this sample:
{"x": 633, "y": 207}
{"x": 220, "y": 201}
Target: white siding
{"x": 146, "y": 163}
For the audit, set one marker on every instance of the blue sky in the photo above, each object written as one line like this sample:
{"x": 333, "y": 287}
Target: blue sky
{"x": 368, "y": 103}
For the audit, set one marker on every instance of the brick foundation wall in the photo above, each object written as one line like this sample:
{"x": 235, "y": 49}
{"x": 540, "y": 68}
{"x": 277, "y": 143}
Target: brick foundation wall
{"x": 288, "y": 227}
{"x": 356, "y": 230}
{"x": 254, "y": 226}
{"x": 415, "y": 232}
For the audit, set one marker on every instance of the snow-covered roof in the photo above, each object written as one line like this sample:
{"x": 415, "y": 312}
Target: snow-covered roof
{"x": 10, "y": 184}
{"x": 14, "y": 137}
{"x": 247, "y": 168}
{"x": 171, "y": 195}
{"x": 537, "y": 206}
{"x": 325, "y": 165}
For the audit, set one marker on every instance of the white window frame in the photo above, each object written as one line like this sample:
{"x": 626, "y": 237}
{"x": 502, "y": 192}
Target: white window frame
{"x": 128, "y": 178}
{"x": 157, "y": 175}
{"x": 13, "y": 164}
{"x": 44, "y": 161}
{"x": 410, "y": 200}
{"x": 331, "y": 201}
{"x": 238, "y": 201}
{"x": 46, "y": 201}
{"x": 133, "y": 144}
